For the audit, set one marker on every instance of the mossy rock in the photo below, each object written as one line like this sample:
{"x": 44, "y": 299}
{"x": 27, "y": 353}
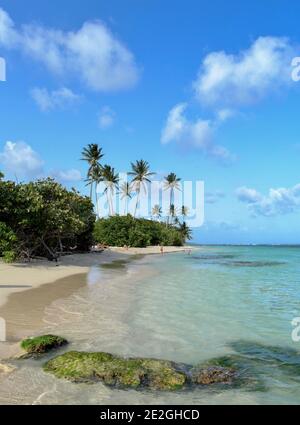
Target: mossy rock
{"x": 246, "y": 373}
{"x": 213, "y": 375}
{"x": 42, "y": 344}
{"x": 116, "y": 371}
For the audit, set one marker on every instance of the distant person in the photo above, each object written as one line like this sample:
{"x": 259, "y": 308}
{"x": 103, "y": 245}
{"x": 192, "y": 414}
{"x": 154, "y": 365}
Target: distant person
{"x": 162, "y": 250}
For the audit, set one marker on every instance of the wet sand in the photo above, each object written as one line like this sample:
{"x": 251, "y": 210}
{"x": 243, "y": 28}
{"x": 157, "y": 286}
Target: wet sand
{"x": 25, "y": 276}
{"x": 24, "y": 311}
{"x": 26, "y": 290}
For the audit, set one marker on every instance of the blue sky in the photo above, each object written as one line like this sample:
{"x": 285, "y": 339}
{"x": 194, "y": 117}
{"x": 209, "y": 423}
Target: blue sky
{"x": 200, "y": 88}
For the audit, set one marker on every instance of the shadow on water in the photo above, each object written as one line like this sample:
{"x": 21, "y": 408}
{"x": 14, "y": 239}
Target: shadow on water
{"x": 286, "y": 359}
{"x": 212, "y": 256}
{"x": 121, "y": 264}
{"x": 226, "y": 260}
{"x": 115, "y": 265}
{"x": 254, "y": 263}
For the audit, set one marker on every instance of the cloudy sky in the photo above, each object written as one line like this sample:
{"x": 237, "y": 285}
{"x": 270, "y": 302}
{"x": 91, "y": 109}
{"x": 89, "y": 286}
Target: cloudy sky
{"x": 201, "y": 88}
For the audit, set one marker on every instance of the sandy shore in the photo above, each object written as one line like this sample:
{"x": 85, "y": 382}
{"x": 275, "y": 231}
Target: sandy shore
{"x": 150, "y": 250}
{"x": 21, "y": 277}
{"x": 25, "y": 289}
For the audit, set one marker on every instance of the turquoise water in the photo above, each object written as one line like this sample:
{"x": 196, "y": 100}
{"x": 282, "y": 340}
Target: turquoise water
{"x": 227, "y": 301}
{"x": 236, "y": 302}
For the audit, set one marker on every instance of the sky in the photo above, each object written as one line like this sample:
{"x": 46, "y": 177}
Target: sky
{"x": 205, "y": 89}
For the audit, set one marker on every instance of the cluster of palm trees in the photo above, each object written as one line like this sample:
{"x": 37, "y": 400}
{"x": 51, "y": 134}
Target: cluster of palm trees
{"x": 141, "y": 176}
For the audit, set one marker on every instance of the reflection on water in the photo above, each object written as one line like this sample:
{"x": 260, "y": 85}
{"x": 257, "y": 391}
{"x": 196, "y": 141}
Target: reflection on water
{"x": 184, "y": 308}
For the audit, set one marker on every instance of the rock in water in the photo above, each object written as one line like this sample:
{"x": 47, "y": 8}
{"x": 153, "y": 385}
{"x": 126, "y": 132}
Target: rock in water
{"x": 42, "y": 344}
{"x": 213, "y": 375}
{"x": 116, "y": 371}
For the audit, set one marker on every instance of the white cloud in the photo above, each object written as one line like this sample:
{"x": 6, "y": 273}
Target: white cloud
{"x": 214, "y": 197}
{"x": 67, "y": 176}
{"x": 49, "y": 100}
{"x": 224, "y": 114}
{"x": 198, "y": 134}
{"x": 227, "y": 82}
{"x": 248, "y": 195}
{"x": 8, "y": 36}
{"x": 93, "y": 54}
{"x": 21, "y": 160}
{"x": 222, "y": 225}
{"x": 106, "y": 117}
{"x": 278, "y": 201}
{"x": 244, "y": 78}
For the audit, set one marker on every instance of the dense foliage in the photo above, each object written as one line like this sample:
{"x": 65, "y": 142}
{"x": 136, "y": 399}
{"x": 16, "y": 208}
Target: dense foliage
{"x": 43, "y": 218}
{"x": 136, "y": 232}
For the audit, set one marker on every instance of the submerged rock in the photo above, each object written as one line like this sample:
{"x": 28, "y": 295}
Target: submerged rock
{"x": 247, "y": 375}
{"x": 134, "y": 373}
{"x": 212, "y": 375}
{"x": 116, "y": 371}
{"x": 42, "y": 344}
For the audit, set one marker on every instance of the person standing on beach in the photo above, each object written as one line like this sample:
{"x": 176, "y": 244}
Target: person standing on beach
{"x": 162, "y": 250}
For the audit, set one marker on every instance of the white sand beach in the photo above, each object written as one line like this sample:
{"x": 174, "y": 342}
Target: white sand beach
{"x": 25, "y": 276}
{"x": 41, "y": 282}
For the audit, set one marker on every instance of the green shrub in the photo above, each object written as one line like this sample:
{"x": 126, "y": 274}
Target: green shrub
{"x": 43, "y": 218}
{"x": 8, "y": 243}
{"x": 136, "y": 232}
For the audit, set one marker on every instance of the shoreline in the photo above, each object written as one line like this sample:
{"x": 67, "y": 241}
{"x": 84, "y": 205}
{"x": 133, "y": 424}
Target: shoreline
{"x": 27, "y": 289}
{"x": 18, "y": 277}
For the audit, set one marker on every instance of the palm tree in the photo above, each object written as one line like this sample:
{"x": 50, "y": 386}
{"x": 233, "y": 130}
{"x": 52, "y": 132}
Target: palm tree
{"x": 185, "y": 231}
{"x": 157, "y": 211}
{"x": 184, "y": 211}
{"x": 172, "y": 211}
{"x": 98, "y": 178}
{"x": 126, "y": 194}
{"x": 172, "y": 183}
{"x": 111, "y": 181}
{"x": 92, "y": 154}
{"x": 140, "y": 173}
{"x": 95, "y": 176}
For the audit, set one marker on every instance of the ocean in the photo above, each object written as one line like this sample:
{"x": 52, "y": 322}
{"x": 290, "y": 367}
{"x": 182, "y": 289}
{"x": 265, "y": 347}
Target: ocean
{"x": 233, "y": 304}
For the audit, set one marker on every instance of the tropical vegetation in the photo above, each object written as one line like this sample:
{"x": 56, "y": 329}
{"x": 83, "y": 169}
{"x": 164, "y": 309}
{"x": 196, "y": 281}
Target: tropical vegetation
{"x": 44, "y": 219}
{"x": 136, "y": 232}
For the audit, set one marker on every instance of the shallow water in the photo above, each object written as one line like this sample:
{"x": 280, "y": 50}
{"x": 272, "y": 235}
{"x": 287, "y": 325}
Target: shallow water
{"x": 232, "y": 303}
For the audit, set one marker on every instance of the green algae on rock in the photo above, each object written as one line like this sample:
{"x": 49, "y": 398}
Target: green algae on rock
{"x": 42, "y": 344}
{"x": 213, "y": 375}
{"x": 116, "y": 371}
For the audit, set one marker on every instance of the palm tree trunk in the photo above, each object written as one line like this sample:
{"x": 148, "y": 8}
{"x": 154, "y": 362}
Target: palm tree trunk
{"x": 137, "y": 202}
{"x": 111, "y": 202}
{"x": 91, "y": 192}
{"x": 171, "y": 197}
{"x": 97, "y": 208}
{"x": 108, "y": 203}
